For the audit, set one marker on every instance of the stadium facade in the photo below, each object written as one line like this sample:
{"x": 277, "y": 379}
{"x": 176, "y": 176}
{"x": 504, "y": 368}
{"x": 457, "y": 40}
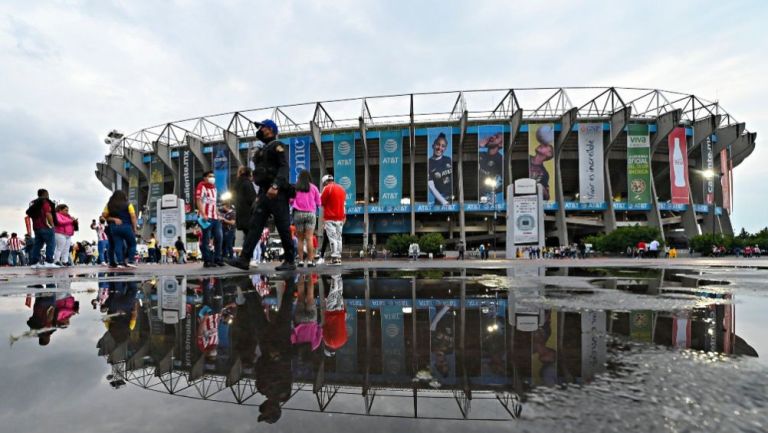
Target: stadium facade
{"x": 439, "y": 162}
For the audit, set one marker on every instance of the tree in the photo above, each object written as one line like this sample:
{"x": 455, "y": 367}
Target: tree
{"x": 431, "y": 243}
{"x": 398, "y": 244}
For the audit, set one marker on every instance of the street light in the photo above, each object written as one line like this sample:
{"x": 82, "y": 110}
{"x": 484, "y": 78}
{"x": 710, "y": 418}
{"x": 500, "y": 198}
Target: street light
{"x": 491, "y": 183}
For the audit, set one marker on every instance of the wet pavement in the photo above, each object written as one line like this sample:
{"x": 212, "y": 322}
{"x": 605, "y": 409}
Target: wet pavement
{"x": 568, "y": 346}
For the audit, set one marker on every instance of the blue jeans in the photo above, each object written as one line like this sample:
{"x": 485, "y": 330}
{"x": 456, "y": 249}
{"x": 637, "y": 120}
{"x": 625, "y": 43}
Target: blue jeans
{"x": 228, "y": 243}
{"x": 15, "y": 259}
{"x": 103, "y": 246}
{"x": 214, "y": 229}
{"x": 124, "y": 233}
{"x": 45, "y": 237}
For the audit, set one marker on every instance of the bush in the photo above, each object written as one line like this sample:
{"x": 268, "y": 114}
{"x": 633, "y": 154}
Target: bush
{"x": 618, "y": 240}
{"x": 431, "y": 243}
{"x": 398, "y": 244}
{"x": 703, "y": 243}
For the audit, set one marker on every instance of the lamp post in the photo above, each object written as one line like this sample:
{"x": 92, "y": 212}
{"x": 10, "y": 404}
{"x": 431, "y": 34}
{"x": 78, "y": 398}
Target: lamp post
{"x": 491, "y": 183}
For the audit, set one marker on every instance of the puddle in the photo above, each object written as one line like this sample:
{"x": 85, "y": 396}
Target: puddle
{"x": 546, "y": 349}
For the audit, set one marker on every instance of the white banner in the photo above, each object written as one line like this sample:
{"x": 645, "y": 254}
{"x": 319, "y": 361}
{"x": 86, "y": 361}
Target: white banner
{"x": 591, "y": 163}
{"x": 525, "y": 214}
{"x": 593, "y": 344}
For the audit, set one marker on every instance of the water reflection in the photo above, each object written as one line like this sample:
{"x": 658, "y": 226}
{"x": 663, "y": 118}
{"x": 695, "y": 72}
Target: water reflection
{"x": 53, "y": 306}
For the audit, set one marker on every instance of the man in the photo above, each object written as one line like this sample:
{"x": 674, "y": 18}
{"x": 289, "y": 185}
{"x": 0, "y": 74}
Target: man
{"x": 210, "y": 224}
{"x": 270, "y": 174}
{"x": 228, "y": 222}
{"x": 461, "y": 249}
{"x": 653, "y": 248}
{"x": 15, "y": 245}
{"x": 536, "y": 170}
{"x": 181, "y": 249}
{"x": 103, "y": 239}
{"x": 491, "y": 164}
{"x": 440, "y": 168}
{"x": 332, "y": 199}
{"x": 41, "y": 212}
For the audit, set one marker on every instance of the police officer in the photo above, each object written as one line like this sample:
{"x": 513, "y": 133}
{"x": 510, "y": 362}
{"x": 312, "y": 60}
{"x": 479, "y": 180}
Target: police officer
{"x": 271, "y": 176}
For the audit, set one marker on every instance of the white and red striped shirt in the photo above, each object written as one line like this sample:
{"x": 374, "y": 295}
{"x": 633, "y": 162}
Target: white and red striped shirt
{"x": 208, "y": 332}
{"x": 15, "y": 244}
{"x": 207, "y": 193}
{"x": 100, "y": 233}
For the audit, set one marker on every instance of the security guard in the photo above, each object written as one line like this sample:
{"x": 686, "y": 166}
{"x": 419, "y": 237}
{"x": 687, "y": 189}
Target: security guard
{"x": 271, "y": 176}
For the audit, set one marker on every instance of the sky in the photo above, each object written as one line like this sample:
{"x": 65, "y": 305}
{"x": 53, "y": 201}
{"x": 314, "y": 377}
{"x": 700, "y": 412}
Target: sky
{"x": 72, "y": 70}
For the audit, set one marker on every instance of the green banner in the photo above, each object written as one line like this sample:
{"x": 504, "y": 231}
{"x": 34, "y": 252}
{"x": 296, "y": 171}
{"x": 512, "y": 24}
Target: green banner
{"x": 638, "y": 164}
{"x": 641, "y": 325}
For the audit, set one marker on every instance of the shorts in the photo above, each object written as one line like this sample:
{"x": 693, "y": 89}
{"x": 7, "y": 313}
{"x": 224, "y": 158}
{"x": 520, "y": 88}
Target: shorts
{"x": 304, "y": 221}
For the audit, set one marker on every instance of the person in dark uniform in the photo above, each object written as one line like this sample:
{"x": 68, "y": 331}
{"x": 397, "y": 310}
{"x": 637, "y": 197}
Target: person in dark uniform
{"x": 491, "y": 164}
{"x": 440, "y": 181}
{"x": 271, "y": 176}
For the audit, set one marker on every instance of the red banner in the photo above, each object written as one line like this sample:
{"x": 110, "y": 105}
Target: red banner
{"x": 678, "y": 166}
{"x": 725, "y": 180}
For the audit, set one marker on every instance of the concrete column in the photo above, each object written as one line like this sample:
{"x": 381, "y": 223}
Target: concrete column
{"x": 514, "y": 127}
{"x": 726, "y": 136}
{"x": 619, "y": 121}
{"x": 702, "y": 129}
{"x": 462, "y": 135}
{"x": 743, "y": 147}
{"x": 163, "y": 152}
{"x": 317, "y": 137}
{"x": 117, "y": 163}
{"x": 412, "y": 165}
{"x": 690, "y": 224}
{"x": 233, "y": 144}
{"x": 106, "y": 175}
{"x": 136, "y": 158}
{"x": 196, "y": 147}
{"x": 367, "y": 183}
{"x": 664, "y": 126}
{"x": 567, "y": 120}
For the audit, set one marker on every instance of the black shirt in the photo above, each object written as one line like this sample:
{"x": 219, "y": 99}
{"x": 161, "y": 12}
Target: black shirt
{"x": 441, "y": 173}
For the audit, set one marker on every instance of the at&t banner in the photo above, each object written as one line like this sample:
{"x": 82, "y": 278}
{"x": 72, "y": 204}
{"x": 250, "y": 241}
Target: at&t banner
{"x": 591, "y": 163}
{"x": 678, "y": 166}
{"x": 390, "y": 167}
{"x": 638, "y": 164}
{"x": 298, "y": 156}
{"x": 392, "y": 340}
{"x": 439, "y": 165}
{"x": 541, "y": 154}
{"x": 490, "y": 158}
{"x": 344, "y": 164}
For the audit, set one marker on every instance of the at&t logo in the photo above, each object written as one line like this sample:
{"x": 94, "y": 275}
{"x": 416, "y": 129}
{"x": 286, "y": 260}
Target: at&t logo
{"x": 390, "y": 146}
{"x": 390, "y": 181}
{"x": 344, "y": 148}
{"x": 345, "y": 182}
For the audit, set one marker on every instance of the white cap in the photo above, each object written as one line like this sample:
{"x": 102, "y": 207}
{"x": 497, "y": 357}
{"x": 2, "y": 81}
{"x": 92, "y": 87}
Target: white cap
{"x": 325, "y": 179}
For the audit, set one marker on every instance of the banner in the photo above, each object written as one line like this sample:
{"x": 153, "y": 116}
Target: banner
{"x": 490, "y": 159}
{"x": 442, "y": 356}
{"x": 392, "y": 340}
{"x": 708, "y": 163}
{"x": 544, "y": 351}
{"x": 638, "y": 164}
{"x": 439, "y": 165}
{"x": 681, "y": 330}
{"x": 678, "y": 166}
{"x": 725, "y": 181}
{"x": 187, "y": 178}
{"x": 298, "y": 156}
{"x": 133, "y": 188}
{"x": 156, "y": 189}
{"x": 344, "y": 164}
{"x": 346, "y": 356}
{"x": 591, "y": 185}
{"x": 221, "y": 169}
{"x": 641, "y": 325}
{"x": 593, "y": 344}
{"x": 390, "y": 167}
{"x": 493, "y": 347}
{"x": 541, "y": 154}
{"x": 525, "y": 215}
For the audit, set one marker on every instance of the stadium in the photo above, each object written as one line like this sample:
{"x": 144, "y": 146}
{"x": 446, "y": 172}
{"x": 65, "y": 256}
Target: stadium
{"x": 439, "y": 162}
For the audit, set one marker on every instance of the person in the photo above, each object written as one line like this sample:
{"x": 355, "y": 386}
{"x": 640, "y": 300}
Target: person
{"x": 413, "y": 251}
{"x": 334, "y": 214}
{"x": 335, "y": 334}
{"x": 163, "y": 255}
{"x": 440, "y": 167}
{"x": 151, "y": 248}
{"x": 481, "y": 249}
{"x": 121, "y": 217}
{"x": 5, "y": 252}
{"x": 491, "y": 164}
{"x": 653, "y": 249}
{"x": 181, "y": 249}
{"x": 64, "y": 229}
{"x": 228, "y": 222}
{"x": 271, "y": 176}
{"x": 103, "y": 239}
{"x": 305, "y": 207}
{"x": 244, "y": 198}
{"x": 15, "y": 247}
{"x": 41, "y": 210}
{"x": 210, "y": 224}
{"x": 536, "y": 169}
{"x": 461, "y": 249}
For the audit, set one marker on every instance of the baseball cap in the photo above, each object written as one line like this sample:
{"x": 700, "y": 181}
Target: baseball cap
{"x": 326, "y": 178}
{"x": 268, "y": 123}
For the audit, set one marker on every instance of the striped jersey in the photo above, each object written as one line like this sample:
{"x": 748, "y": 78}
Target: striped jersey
{"x": 100, "y": 233}
{"x": 15, "y": 244}
{"x": 207, "y": 194}
{"x": 208, "y": 332}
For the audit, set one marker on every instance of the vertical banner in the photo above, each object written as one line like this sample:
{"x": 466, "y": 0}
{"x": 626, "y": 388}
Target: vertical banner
{"x": 187, "y": 178}
{"x": 133, "y": 188}
{"x": 641, "y": 325}
{"x": 490, "y": 157}
{"x": 681, "y": 330}
{"x": 593, "y": 344}
{"x": 725, "y": 181}
{"x": 344, "y": 164}
{"x": 678, "y": 166}
{"x": 439, "y": 165}
{"x": 392, "y": 340}
{"x": 298, "y": 156}
{"x": 156, "y": 175}
{"x": 442, "y": 356}
{"x": 525, "y": 216}
{"x": 730, "y": 180}
{"x": 221, "y": 169}
{"x": 541, "y": 154}
{"x": 591, "y": 185}
{"x": 708, "y": 163}
{"x": 638, "y": 164}
{"x": 493, "y": 348}
{"x": 544, "y": 351}
{"x": 390, "y": 167}
{"x": 346, "y": 356}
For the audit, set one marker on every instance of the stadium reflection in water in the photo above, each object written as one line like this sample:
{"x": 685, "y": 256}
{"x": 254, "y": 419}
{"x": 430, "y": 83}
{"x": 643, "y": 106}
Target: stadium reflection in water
{"x": 435, "y": 344}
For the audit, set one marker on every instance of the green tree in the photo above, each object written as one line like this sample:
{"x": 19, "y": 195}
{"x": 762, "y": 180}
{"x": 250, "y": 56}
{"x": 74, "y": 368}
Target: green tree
{"x": 618, "y": 240}
{"x": 398, "y": 244}
{"x": 431, "y": 243}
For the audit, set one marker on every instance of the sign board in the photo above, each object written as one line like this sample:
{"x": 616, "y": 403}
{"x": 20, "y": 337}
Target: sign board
{"x": 172, "y": 294}
{"x": 170, "y": 219}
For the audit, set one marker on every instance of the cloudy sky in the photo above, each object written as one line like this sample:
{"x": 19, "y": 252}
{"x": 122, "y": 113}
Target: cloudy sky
{"x": 74, "y": 69}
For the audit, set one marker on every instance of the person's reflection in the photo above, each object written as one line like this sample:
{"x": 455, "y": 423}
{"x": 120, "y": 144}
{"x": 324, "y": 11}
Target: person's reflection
{"x": 546, "y": 355}
{"x": 273, "y": 367}
{"x": 243, "y": 331}
{"x": 307, "y": 333}
{"x": 50, "y": 311}
{"x": 334, "y": 321}
{"x": 121, "y": 311}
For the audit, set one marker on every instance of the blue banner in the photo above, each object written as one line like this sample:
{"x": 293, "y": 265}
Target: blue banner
{"x": 344, "y": 164}
{"x": 221, "y": 169}
{"x": 442, "y": 333}
{"x": 298, "y": 156}
{"x": 390, "y": 168}
{"x": 392, "y": 341}
{"x": 490, "y": 160}
{"x": 346, "y": 356}
{"x": 439, "y": 165}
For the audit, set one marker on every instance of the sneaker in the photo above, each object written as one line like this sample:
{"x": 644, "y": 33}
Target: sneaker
{"x": 300, "y": 264}
{"x": 336, "y": 261}
{"x": 130, "y": 265}
{"x": 120, "y": 266}
{"x": 51, "y": 265}
{"x": 286, "y": 266}
{"x": 35, "y": 266}
{"x": 320, "y": 261}
{"x": 239, "y": 263}
{"x": 311, "y": 264}
{"x": 220, "y": 264}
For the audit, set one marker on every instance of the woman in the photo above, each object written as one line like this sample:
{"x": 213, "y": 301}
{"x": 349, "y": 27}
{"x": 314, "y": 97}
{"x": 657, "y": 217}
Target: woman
{"x": 305, "y": 206}
{"x": 64, "y": 229}
{"x": 245, "y": 194}
{"x": 121, "y": 218}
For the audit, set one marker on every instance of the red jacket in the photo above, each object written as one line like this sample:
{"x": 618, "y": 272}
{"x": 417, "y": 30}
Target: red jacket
{"x": 332, "y": 199}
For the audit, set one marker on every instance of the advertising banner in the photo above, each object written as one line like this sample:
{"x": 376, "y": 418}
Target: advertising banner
{"x": 641, "y": 325}
{"x": 346, "y": 356}
{"x": 187, "y": 178}
{"x": 344, "y": 164}
{"x": 708, "y": 163}
{"x": 678, "y": 166}
{"x": 725, "y": 181}
{"x": 390, "y": 167}
{"x": 298, "y": 156}
{"x": 493, "y": 348}
{"x": 591, "y": 163}
{"x": 133, "y": 188}
{"x": 156, "y": 175}
{"x": 638, "y": 164}
{"x": 490, "y": 159}
{"x": 525, "y": 215}
{"x": 392, "y": 340}
{"x": 541, "y": 154}
{"x": 681, "y": 330}
{"x": 544, "y": 351}
{"x": 442, "y": 356}
{"x": 439, "y": 165}
{"x": 593, "y": 344}
{"x": 221, "y": 169}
